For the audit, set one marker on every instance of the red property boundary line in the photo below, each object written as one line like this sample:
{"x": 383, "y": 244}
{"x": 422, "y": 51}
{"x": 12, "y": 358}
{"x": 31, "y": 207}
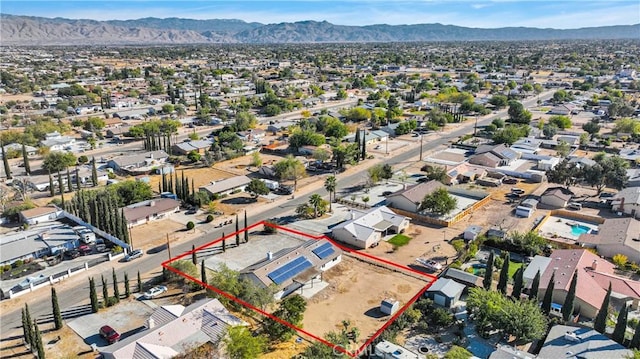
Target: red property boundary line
{"x": 433, "y": 278}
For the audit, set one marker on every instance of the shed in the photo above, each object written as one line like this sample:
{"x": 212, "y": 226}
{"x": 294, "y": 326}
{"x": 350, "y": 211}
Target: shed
{"x": 471, "y": 233}
{"x": 389, "y": 306}
{"x": 460, "y": 276}
{"x": 496, "y": 233}
{"x": 445, "y": 292}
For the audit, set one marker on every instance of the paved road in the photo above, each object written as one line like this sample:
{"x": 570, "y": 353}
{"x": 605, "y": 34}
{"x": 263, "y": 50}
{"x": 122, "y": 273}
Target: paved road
{"x": 74, "y": 296}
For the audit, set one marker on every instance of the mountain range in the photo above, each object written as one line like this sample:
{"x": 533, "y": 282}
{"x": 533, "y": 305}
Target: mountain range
{"x": 29, "y": 31}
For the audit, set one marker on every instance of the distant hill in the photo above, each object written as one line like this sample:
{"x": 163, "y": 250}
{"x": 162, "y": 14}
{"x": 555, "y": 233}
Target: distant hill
{"x": 28, "y": 30}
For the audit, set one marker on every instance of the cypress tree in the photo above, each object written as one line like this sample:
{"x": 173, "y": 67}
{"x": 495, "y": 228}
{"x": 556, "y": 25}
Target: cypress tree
{"x": 94, "y": 172}
{"x": 246, "y": 231}
{"x": 105, "y": 292}
{"x": 127, "y": 289}
{"x": 621, "y": 325}
{"x": 194, "y": 258}
{"x": 27, "y": 316}
{"x": 116, "y": 291}
{"x": 93, "y": 296}
{"x": 183, "y": 190}
{"x": 567, "y": 306}
{"x": 25, "y": 159}
{"x": 364, "y": 145}
{"x": 600, "y": 323}
{"x": 5, "y": 161}
{"x": 548, "y": 294}
{"x": 488, "y": 273}
{"x": 518, "y": 280}
{"x": 69, "y": 183}
{"x": 535, "y": 284}
{"x": 504, "y": 275}
{"x": 77, "y": 179}
{"x": 237, "y": 231}
{"x": 38, "y": 341}
{"x": 357, "y": 140}
{"x": 26, "y": 327}
{"x": 193, "y": 191}
{"x": 61, "y": 187}
{"x": 125, "y": 230}
{"x": 163, "y": 182}
{"x": 139, "y": 283}
{"x": 203, "y": 273}
{"x": 57, "y": 316}
{"x": 52, "y": 190}
{"x": 635, "y": 340}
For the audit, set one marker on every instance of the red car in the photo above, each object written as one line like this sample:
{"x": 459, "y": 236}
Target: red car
{"x": 109, "y": 334}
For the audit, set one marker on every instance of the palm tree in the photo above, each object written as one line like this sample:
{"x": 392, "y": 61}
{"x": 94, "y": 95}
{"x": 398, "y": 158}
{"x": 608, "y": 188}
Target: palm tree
{"x": 315, "y": 201}
{"x": 330, "y": 186}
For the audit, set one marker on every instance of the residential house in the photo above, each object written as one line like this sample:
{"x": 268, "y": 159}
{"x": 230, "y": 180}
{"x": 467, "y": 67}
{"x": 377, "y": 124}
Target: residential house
{"x": 138, "y": 163}
{"x": 293, "y": 269}
{"x": 267, "y": 171}
{"x": 594, "y": 276}
{"x": 37, "y": 242}
{"x": 565, "y": 109}
{"x": 85, "y": 175}
{"x": 390, "y": 129}
{"x": 627, "y": 201}
{"x": 631, "y": 155}
{"x": 388, "y": 350}
{"x": 616, "y": 236}
{"x": 56, "y": 142}
{"x": 556, "y": 197}
{"x": 509, "y": 352}
{"x": 40, "y": 215}
{"x": 173, "y": 329}
{"x": 633, "y": 174}
{"x": 364, "y": 229}
{"x": 464, "y": 173}
{"x": 17, "y": 147}
{"x": 565, "y": 341}
{"x": 494, "y": 156}
{"x": 150, "y": 210}
{"x": 582, "y": 162}
{"x": 254, "y": 134}
{"x": 119, "y": 132}
{"x": 410, "y": 198}
{"x": 226, "y": 186}
{"x": 463, "y": 277}
{"x": 471, "y": 233}
{"x": 184, "y": 148}
{"x": 445, "y": 292}
{"x": 527, "y": 145}
{"x": 538, "y": 263}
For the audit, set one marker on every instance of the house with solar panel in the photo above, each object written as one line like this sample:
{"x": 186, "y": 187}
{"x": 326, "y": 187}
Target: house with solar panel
{"x": 294, "y": 269}
{"x": 494, "y": 156}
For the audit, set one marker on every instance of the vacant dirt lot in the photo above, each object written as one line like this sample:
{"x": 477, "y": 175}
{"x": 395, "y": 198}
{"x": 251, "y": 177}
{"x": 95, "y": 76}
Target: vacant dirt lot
{"x": 354, "y": 293}
{"x": 155, "y": 233}
{"x": 201, "y": 176}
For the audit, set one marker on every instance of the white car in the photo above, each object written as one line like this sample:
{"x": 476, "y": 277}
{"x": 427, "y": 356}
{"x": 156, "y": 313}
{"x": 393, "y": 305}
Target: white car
{"x": 154, "y": 292}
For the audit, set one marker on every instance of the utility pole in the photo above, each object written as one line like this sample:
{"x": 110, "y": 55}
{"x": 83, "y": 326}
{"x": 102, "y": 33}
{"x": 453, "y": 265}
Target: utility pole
{"x": 421, "y": 135}
{"x": 168, "y": 246}
{"x": 475, "y": 128}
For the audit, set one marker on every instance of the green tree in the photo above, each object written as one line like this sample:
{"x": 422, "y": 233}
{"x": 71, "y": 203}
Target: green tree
{"x": 241, "y": 344}
{"x": 518, "y": 114}
{"x": 549, "y": 130}
{"x": 635, "y": 340}
{"x": 621, "y": 325}
{"x": 290, "y": 310}
{"x": 504, "y": 275}
{"x": 58, "y": 161}
{"x": 37, "y": 342}
{"x": 564, "y": 173}
{"x": 27, "y": 327}
{"x": 439, "y": 202}
{"x": 127, "y": 288}
{"x": 499, "y": 101}
{"x": 600, "y": 323}
{"x": 562, "y": 122}
{"x": 25, "y": 160}
{"x": 592, "y": 127}
{"x": 518, "y": 283}
{"x": 139, "y": 288}
{"x": 627, "y": 125}
{"x": 94, "y": 172}
{"x": 257, "y": 188}
{"x": 523, "y": 320}
{"x": 94, "y": 124}
{"x": 510, "y": 134}
{"x": 57, "y": 316}
{"x": 5, "y": 162}
{"x": 116, "y": 291}
{"x": 563, "y": 149}
{"x": 130, "y": 191}
{"x": 318, "y": 204}
{"x": 330, "y": 184}
{"x": 93, "y": 296}
{"x": 190, "y": 225}
{"x": 256, "y": 160}
{"x": 567, "y": 307}
{"x": 290, "y": 168}
{"x": 457, "y": 352}
{"x": 548, "y": 294}
{"x": 105, "y": 292}
{"x": 203, "y": 273}
{"x": 488, "y": 274}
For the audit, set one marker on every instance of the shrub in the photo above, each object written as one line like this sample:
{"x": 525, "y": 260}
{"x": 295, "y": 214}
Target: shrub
{"x": 269, "y": 229}
{"x": 190, "y": 225}
{"x": 116, "y": 250}
{"x": 18, "y": 263}
{"x": 209, "y": 218}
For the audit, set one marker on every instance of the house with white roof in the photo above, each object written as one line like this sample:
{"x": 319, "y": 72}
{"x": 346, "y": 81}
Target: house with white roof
{"x": 56, "y": 142}
{"x": 173, "y": 329}
{"x": 366, "y": 228}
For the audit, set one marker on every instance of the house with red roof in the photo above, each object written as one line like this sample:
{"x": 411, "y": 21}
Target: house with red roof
{"x": 594, "y": 276}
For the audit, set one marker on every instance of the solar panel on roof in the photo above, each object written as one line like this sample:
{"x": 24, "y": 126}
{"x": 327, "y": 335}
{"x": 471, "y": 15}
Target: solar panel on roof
{"x": 324, "y": 251}
{"x": 289, "y": 270}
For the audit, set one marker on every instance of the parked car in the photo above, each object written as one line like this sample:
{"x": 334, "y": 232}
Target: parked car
{"x": 109, "y": 334}
{"x": 517, "y": 191}
{"x": 154, "y": 292}
{"x": 72, "y": 254}
{"x": 85, "y": 249}
{"x": 510, "y": 181}
{"x": 101, "y": 248}
{"x": 133, "y": 255}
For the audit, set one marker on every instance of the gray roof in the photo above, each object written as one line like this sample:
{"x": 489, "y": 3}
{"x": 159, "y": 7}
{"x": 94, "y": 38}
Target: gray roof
{"x": 588, "y": 344}
{"x": 508, "y": 352}
{"x": 474, "y": 229}
{"x": 137, "y": 211}
{"x": 376, "y": 219}
{"x": 226, "y": 184}
{"x": 416, "y": 193}
{"x": 631, "y": 195}
{"x": 461, "y": 276}
{"x": 125, "y": 161}
{"x": 193, "y": 145}
{"x": 538, "y": 263}
{"x": 448, "y": 287}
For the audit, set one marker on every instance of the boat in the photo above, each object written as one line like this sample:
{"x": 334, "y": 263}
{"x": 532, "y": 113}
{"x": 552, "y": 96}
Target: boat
{"x": 429, "y": 264}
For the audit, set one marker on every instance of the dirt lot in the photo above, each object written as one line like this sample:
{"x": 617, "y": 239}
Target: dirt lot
{"x": 155, "y": 233}
{"x": 354, "y": 293}
{"x": 201, "y": 176}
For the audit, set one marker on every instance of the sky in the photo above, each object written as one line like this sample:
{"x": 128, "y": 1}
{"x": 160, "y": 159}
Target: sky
{"x": 567, "y": 14}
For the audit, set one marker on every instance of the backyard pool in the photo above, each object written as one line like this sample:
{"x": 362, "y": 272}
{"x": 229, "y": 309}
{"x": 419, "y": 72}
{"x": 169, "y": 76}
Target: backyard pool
{"x": 578, "y": 229}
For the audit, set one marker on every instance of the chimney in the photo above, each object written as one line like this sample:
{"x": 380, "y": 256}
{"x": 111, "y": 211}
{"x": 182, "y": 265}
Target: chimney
{"x": 151, "y": 323}
{"x": 353, "y": 215}
{"x": 594, "y": 265}
{"x": 269, "y": 255}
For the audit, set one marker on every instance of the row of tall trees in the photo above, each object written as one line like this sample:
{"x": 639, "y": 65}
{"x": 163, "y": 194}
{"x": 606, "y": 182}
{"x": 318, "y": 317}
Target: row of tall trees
{"x": 100, "y": 209}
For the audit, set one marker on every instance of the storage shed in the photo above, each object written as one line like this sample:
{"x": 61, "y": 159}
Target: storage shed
{"x": 471, "y": 233}
{"x": 445, "y": 292}
{"x": 389, "y": 306}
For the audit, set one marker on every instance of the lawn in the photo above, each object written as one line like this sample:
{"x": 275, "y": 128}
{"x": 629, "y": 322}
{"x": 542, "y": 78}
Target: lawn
{"x": 399, "y": 240}
{"x": 513, "y": 267}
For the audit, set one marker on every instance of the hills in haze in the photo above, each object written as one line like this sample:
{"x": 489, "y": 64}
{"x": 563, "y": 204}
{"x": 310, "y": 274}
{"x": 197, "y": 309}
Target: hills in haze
{"x": 28, "y": 30}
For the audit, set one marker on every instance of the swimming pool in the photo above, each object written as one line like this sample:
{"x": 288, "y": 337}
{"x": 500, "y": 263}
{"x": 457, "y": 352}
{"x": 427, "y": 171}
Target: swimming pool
{"x": 578, "y": 229}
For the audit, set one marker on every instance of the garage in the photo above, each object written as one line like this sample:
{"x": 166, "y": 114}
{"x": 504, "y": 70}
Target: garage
{"x": 440, "y": 300}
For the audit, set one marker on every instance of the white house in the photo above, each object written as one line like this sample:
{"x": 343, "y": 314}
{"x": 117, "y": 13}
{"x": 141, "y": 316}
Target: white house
{"x": 366, "y": 228}
{"x": 226, "y": 186}
{"x": 151, "y": 210}
{"x": 57, "y": 142}
{"x": 40, "y": 215}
